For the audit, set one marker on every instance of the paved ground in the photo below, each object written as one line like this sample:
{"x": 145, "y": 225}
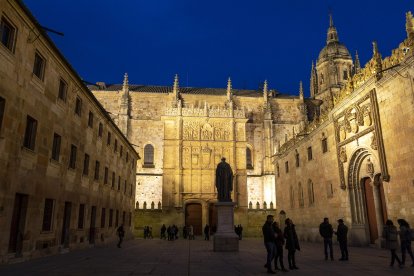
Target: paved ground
{"x": 183, "y": 257}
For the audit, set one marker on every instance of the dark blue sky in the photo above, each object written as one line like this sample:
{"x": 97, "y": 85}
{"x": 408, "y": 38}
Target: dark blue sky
{"x": 205, "y": 42}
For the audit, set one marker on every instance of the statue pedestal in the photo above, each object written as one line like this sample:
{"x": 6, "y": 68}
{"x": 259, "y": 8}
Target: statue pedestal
{"x": 225, "y": 239}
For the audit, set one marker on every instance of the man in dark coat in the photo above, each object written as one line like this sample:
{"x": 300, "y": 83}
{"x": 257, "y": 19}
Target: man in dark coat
{"x": 207, "y": 232}
{"x": 292, "y": 242}
{"x": 224, "y": 181}
{"x": 326, "y": 231}
{"x": 342, "y": 233}
{"x": 280, "y": 241}
{"x": 269, "y": 242}
{"x": 121, "y": 233}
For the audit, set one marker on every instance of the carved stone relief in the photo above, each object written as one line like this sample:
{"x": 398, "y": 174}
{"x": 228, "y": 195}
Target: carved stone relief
{"x": 342, "y": 155}
{"x": 374, "y": 145}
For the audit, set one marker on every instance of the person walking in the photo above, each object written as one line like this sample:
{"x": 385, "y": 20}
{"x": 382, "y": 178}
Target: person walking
{"x": 405, "y": 238}
{"x": 326, "y": 231}
{"x": 121, "y": 233}
{"x": 279, "y": 241}
{"x": 269, "y": 242}
{"x": 390, "y": 235}
{"x": 342, "y": 235}
{"x": 163, "y": 229}
{"x": 292, "y": 243}
{"x": 207, "y": 233}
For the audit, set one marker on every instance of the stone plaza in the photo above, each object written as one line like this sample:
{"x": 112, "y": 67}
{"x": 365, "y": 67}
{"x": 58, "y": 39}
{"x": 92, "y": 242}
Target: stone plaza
{"x": 196, "y": 257}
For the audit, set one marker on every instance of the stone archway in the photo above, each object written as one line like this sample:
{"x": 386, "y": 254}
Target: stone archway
{"x": 367, "y": 198}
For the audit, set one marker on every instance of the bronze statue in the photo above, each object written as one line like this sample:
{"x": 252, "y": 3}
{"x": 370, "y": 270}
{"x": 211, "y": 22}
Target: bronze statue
{"x": 224, "y": 181}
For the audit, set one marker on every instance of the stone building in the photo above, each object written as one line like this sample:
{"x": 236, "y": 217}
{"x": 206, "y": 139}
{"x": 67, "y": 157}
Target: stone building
{"x": 67, "y": 173}
{"x": 183, "y": 132}
{"x": 354, "y": 159}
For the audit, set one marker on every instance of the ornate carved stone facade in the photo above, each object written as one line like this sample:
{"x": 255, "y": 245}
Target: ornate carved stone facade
{"x": 191, "y": 129}
{"x": 361, "y": 151}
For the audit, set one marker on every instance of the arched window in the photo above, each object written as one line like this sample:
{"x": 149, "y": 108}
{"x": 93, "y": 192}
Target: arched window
{"x": 310, "y": 192}
{"x": 249, "y": 162}
{"x": 292, "y": 197}
{"x": 301, "y": 199}
{"x": 148, "y": 156}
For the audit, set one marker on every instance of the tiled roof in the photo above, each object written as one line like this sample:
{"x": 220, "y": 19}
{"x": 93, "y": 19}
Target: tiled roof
{"x": 185, "y": 90}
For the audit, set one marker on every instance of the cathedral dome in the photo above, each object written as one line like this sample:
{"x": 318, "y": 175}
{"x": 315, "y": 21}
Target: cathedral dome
{"x": 334, "y": 49}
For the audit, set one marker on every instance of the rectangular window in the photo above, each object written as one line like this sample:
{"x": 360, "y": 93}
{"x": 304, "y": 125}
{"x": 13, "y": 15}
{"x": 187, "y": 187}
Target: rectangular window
{"x": 111, "y": 215}
{"x": 119, "y": 183}
{"x": 345, "y": 77}
{"x": 81, "y": 216}
{"x": 47, "y": 215}
{"x": 100, "y": 130}
{"x": 108, "y": 140}
{"x": 103, "y": 217}
{"x": 2, "y": 108}
{"x": 117, "y": 218}
{"x": 324, "y": 145}
{"x": 106, "y": 176}
{"x": 123, "y": 217}
{"x": 125, "y": 186}
{"x": 287, "y": 166}
{"x": 97, "y": 164}
{"x": 86, "y": 164}
{"x": 90, "y": 120}
{"x": 8, "y": 34}
{"x": 63, "y": 88}
{"x": 78, "y": 106}
{"x": 39, "y": 66}
{"x": 30, "y": 133}
{"x": 127, "y": 157}
{"x": 113, "y": 180}
{"x": 116, "y": 145}
{"x": 56, "y": 146}
{"x": 121, "y": 151}
{"x": 72, "y": 160}
{"x": 310, "y": 153}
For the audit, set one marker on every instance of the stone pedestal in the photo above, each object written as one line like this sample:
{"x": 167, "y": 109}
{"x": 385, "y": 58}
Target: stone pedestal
{"x": 225, "y": 238}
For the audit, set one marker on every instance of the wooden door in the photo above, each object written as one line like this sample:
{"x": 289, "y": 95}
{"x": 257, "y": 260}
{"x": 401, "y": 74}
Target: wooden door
{"x": 18, "y": 223}
{"x": 371, "y": 214}
{"x": 66, "y": 224}
{"x": 193, "y": 216}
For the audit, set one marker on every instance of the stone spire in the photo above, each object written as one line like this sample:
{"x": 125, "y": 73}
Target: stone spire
{"x": 265, "y": 92}
{"x": 313, "y": 81}
{"x": 229, "y": 90}
{"x": 357, "y": 64}
{"x": 176, "y": 89}
{"x": 300, "y": 90}
{"x": 377, "y": 60}
{"x": 409, "y": 25}
{"x": 125, "y": 87}
{"x": 332, "y": 35}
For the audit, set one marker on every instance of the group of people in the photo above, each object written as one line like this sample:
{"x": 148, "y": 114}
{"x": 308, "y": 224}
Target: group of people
{"x": 274, "y": 239}
{"x": 391, "y": 233}
{"x": 170, "y": 233}
{"x": 326, "y": 231}
{"x": 148, "y": 232}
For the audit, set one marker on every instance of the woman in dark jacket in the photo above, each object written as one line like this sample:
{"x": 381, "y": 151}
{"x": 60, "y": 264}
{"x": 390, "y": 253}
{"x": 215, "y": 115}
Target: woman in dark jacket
{"x": 292, "y": 242}
{"x": 390, "y": 235}
{"x": 280, "y": 241}
{"x": 405, "y": 238}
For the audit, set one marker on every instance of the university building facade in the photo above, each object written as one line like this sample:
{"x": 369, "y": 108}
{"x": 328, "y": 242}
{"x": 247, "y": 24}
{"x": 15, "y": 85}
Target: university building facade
{"x": 67, "y": 173}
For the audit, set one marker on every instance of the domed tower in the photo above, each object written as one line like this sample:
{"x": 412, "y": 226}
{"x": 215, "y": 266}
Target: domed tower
{"x": 333, "y": 68}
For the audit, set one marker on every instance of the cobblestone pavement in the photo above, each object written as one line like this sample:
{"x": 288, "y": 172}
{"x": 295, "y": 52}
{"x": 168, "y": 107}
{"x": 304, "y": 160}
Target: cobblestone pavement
{"x": 196, "y": 257}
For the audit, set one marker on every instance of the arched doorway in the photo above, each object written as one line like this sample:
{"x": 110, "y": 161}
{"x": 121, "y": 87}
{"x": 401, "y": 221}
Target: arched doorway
{"x": 367, "y": 198}
{"x": 193, "y": 216}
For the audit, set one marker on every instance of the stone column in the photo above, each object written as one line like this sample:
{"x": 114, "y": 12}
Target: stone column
{"x": 225, "y": 238}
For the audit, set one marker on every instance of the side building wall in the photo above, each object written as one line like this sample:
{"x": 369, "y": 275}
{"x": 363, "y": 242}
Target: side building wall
{"x": 67, "y": 173}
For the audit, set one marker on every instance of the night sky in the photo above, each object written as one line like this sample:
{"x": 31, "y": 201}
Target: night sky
{"x": 205, "y": 42}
